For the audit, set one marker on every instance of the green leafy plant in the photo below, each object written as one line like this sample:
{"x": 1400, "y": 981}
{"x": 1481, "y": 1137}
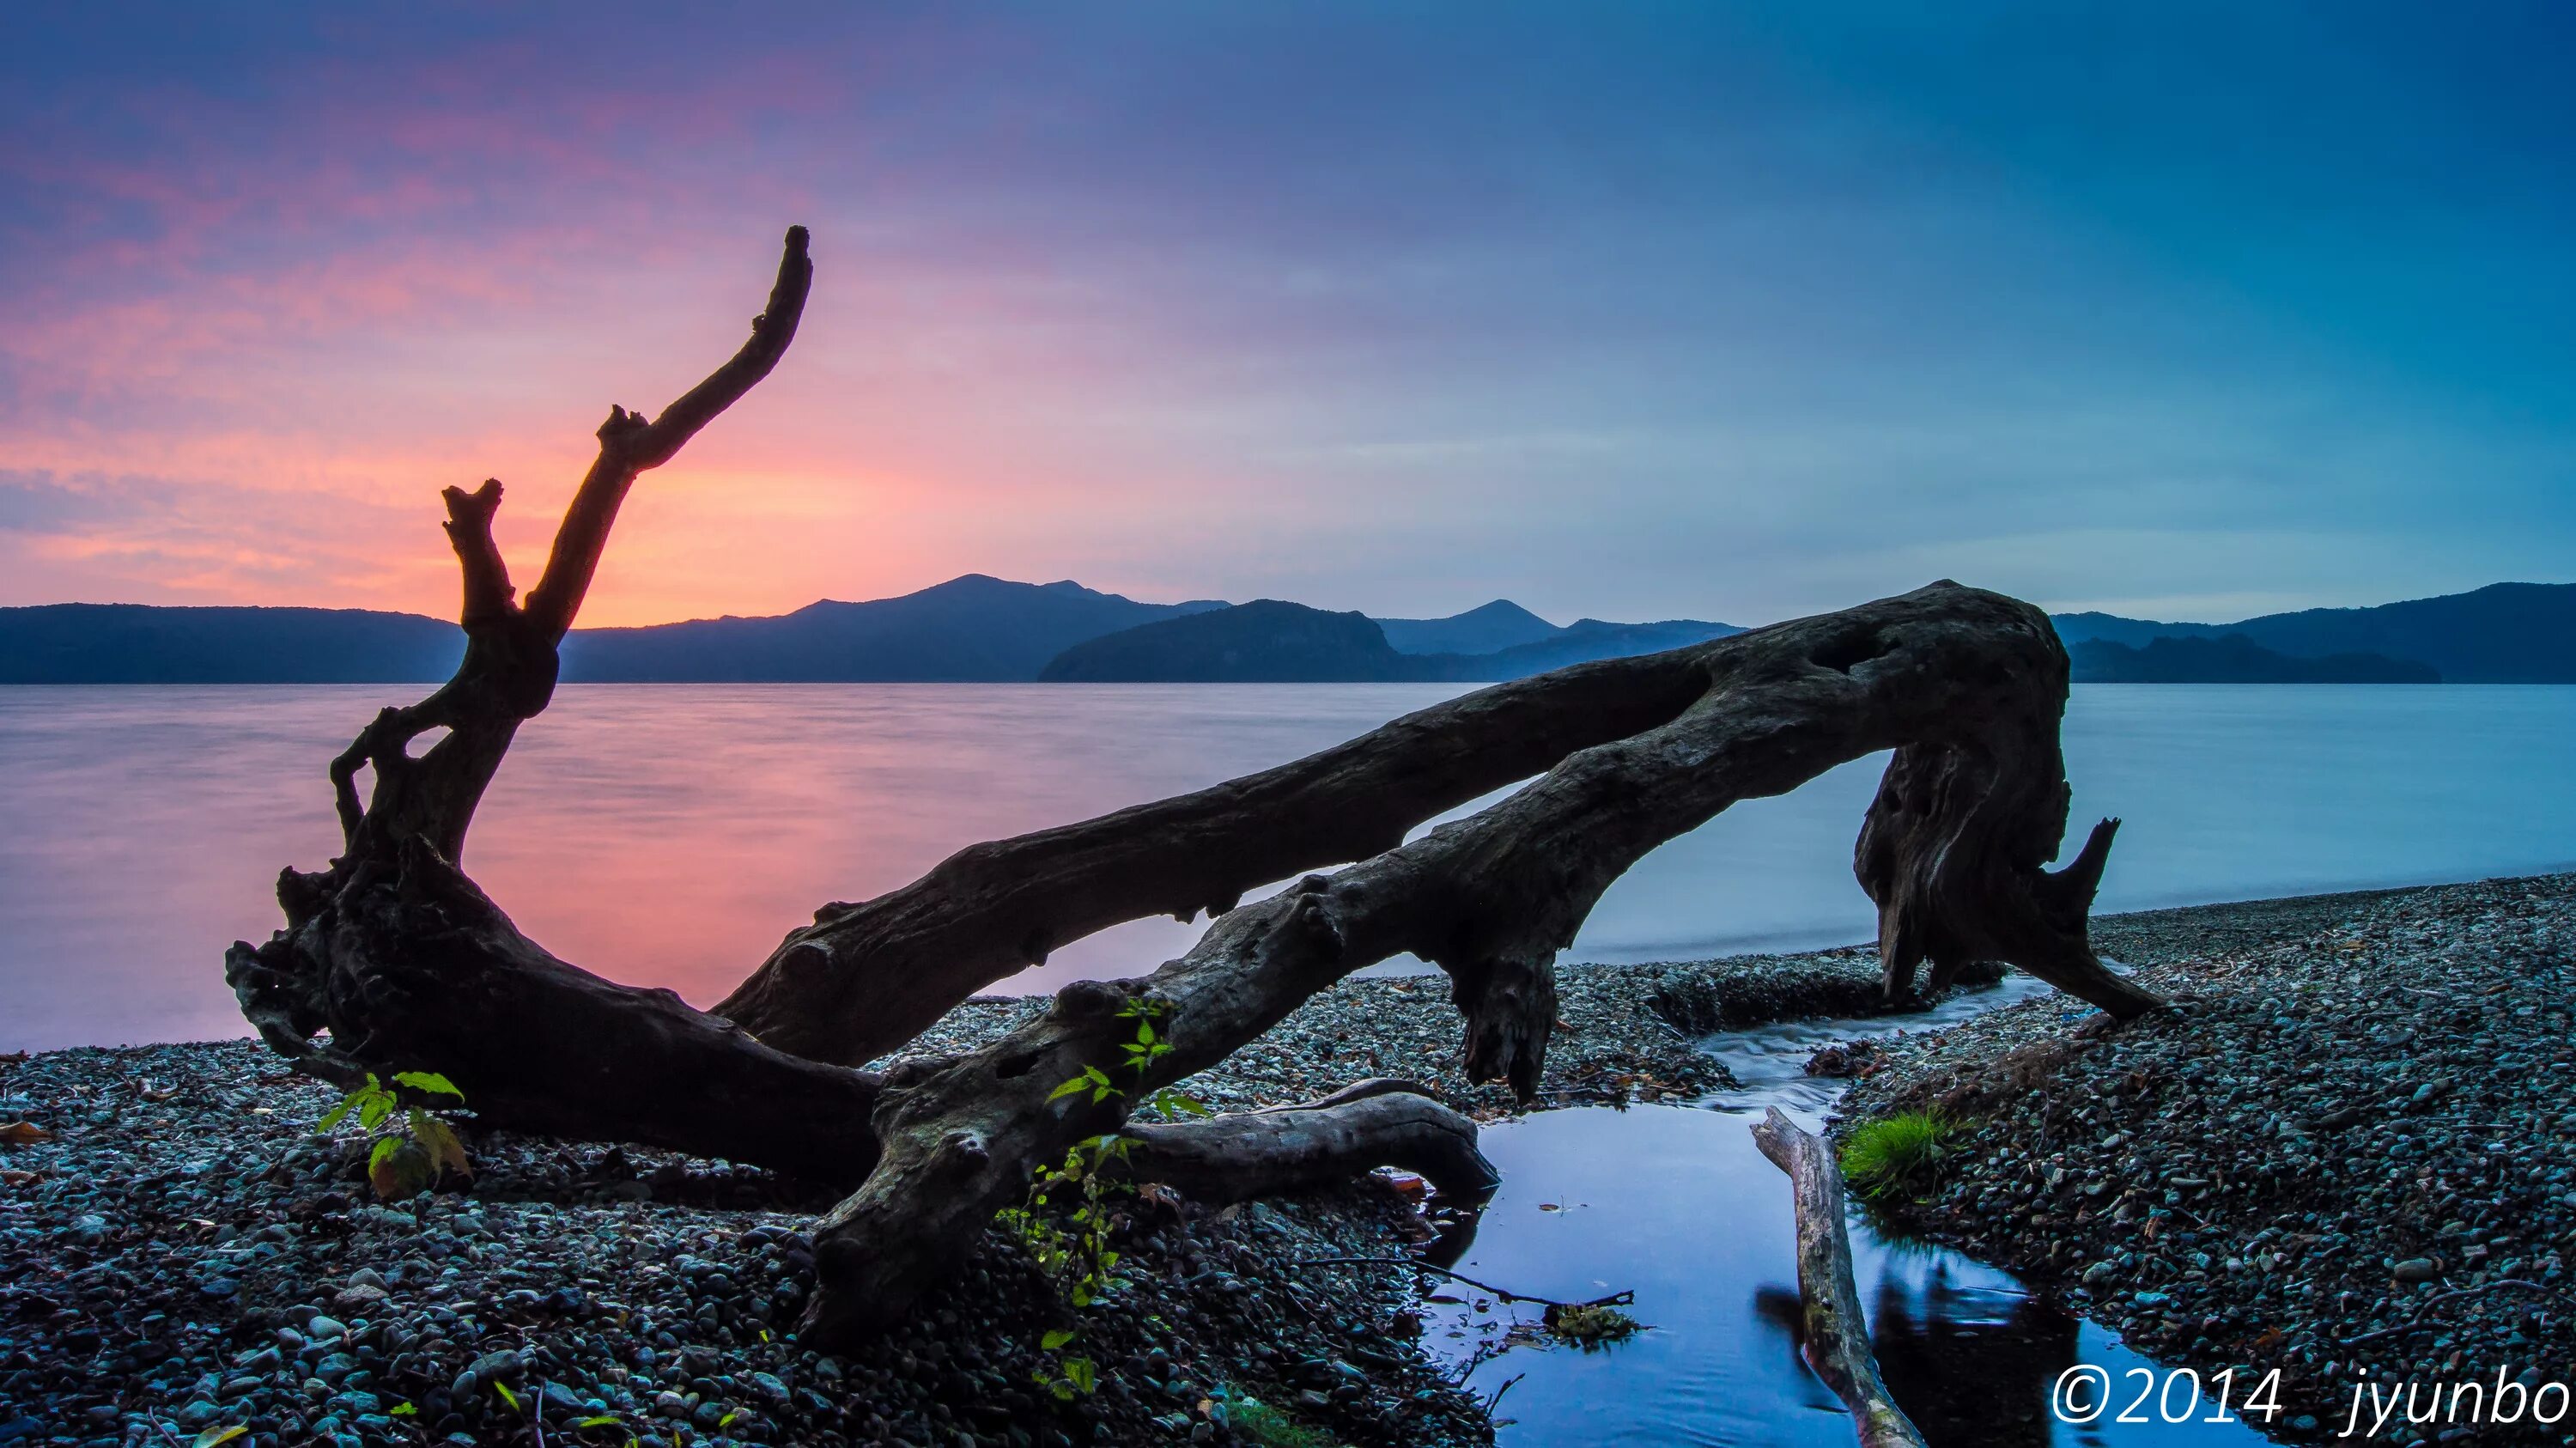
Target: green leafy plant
{"x": 1171, "y": 1105}
{"x": 1093, "y": 1080}
{"x": 418, "y": 1148}
{"x": 1897, "y": 1154}
{"x": 1071, "y": 1377}
{"x": 1076, "y": 1255}
{"x": 1257, "y": 1423}
{"x": 1146, "y": 1048}
{"x": 1074, "y": 1252}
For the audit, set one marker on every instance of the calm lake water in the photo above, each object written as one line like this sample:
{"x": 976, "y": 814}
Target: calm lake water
{"x": 668, "y": 835}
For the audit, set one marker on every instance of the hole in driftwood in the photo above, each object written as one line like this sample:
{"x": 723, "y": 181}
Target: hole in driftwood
{"x": 1841, "y": 654}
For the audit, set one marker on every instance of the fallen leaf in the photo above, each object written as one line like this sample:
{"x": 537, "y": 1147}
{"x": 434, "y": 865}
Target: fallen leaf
{"x": 213, "y": 1436}
{"x": 23, "y": 1133}
{"x": 13, "y": 1178}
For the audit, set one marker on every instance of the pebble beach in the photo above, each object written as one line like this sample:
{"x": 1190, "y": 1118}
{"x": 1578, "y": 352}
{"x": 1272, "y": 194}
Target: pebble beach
{"x": 2337, "y": 1161}
{"x": 2351, "y": 1158}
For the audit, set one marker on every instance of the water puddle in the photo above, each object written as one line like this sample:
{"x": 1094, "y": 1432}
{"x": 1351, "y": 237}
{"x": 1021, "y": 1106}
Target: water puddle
{"x": 1679, "y": 1206}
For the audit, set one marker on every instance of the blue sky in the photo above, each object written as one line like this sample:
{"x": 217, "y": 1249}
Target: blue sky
{"x": 1632, "y": 311}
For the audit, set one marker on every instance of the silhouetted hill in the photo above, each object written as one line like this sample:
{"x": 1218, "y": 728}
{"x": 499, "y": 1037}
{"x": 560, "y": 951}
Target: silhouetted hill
{"x": 1587, "y": 639}
{"x": 1266, "y": 641}
{"x": 973, "y": 628}
{"x": 2233, "y": 659}
{"x": 977, "y": 628}
{"x": 133, "y": 643}
{"x": 970, "y": 628}
{"x": 2504, "y": 633}
{"x": 1270, "y": 641}
{"x": 1499, "y": 625}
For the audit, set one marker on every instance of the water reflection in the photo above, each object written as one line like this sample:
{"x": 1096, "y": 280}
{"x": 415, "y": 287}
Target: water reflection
{"x": 1972, "y": 1367}
{"x": 1678, "y": 1205}
{"x": 668, "y": 835}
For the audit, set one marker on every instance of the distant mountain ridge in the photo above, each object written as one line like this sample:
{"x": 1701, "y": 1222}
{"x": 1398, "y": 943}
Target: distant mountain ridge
{"x": 2504, "y": 633}
{"x": 1489, "y": 628}
{"x": 135, "y": 643}
{"x": 1270, "y": 641}
{"x": 971, "y": 629}
{"x": 982, "y": 629}
{"x": 2233, "y": 659}
{"x": 1266, "y": 641}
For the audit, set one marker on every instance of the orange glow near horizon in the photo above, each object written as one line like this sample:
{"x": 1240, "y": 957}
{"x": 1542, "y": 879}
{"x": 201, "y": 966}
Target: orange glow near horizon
{"x": 1636, "y": 317}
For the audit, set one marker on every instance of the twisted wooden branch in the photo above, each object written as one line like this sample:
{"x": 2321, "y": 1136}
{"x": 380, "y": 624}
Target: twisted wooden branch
{"x": 1946, "y": 672}
{"x": 407, "y": 964}
{"x": 866, "y": 978}
{"x": 510, "y": 665}
{"x": 1370, "y": 1124}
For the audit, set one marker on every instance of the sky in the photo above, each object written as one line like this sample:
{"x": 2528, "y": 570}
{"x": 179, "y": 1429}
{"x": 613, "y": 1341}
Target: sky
{"x": 1632, "y": 311}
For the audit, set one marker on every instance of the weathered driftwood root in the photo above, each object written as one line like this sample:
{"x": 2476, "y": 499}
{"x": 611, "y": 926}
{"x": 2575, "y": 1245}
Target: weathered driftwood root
{"x": 1953, "y": 850}
{"x": 1834, "y": 1335}
{"x": 1285, "y": 1149}
{"x": 1492, "y": 899}
{"x": 866, "y": 978}
{"x": 406, "y": 964}
{"x": 413, "y": 967}
{"x": 397, "y": 954}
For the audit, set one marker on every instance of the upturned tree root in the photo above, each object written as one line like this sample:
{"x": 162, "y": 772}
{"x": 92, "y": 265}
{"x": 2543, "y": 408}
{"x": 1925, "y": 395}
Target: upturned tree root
{"x": 407, "y": 965}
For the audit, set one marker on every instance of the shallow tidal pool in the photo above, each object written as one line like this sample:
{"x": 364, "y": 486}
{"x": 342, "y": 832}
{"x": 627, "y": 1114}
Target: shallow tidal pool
{"x": 1677, "y": 1205}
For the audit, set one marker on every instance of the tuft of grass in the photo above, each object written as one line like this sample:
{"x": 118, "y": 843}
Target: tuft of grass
{"x": 1897, "y": 1154}
{"x": 1264, "y": 1426}
{"x": 1591, "y": 1325}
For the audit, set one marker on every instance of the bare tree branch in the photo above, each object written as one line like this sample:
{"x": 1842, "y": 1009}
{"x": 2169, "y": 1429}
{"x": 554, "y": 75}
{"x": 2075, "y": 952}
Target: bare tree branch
{"x": 487, "y": 576}
{"x": 628, "y": 445}
{"x": 510, "y": 665}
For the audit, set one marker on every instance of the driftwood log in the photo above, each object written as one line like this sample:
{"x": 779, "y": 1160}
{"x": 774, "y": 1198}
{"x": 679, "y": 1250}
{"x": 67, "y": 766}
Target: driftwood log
{"x": 1833, "y": 1335}
{"x": 407, "y": 965}
{"x": 1365, "y": 1125}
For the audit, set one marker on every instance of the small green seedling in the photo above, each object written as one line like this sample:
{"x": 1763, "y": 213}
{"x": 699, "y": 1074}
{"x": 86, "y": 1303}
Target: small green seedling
{"x": 412, "y": 1156}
